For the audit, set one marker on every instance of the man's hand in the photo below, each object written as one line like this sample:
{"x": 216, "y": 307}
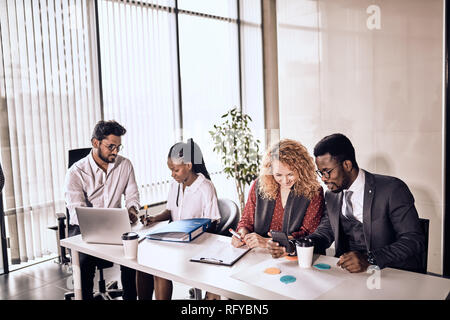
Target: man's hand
{"x": 353, "y": 262}
{"x": 133, "y": 215}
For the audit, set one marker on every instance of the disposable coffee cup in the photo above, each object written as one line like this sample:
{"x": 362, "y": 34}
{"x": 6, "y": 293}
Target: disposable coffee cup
{"x": 305, "y": 250}
{"x": 130, "y": 244}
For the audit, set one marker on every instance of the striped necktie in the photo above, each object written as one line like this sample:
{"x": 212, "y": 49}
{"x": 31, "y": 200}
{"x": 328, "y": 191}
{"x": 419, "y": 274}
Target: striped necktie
{"x": 348, "y": 204}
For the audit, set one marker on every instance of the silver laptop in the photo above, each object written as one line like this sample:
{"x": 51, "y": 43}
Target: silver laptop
{"x": 103, "y": 225}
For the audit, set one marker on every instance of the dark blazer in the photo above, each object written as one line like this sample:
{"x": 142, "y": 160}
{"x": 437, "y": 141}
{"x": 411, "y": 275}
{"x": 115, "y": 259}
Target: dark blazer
{"x": 390, "y": 222}
{"x": 294, "y": 212}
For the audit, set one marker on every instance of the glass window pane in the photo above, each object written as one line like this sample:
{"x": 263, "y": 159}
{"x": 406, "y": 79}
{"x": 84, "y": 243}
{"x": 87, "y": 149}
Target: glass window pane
{"x": 140, "y": 88}
{"x": 222, "y": 8}
{"x": 210, "y": 78}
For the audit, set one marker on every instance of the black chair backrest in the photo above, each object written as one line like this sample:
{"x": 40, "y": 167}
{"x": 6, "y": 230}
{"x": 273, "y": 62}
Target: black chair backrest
{"x": 77, "y": 154}
{"x": 74, "y": 156}
{"x": 425, "y": 225}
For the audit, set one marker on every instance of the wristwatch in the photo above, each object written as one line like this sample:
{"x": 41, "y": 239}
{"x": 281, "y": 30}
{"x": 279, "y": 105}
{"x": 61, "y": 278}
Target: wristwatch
{"x": 291, "y": 250}
{"x": 371, "y": 258}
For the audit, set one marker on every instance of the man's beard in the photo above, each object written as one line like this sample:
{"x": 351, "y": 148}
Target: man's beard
{"x": 105, "y": 159}
{"x": 345, "y": 185}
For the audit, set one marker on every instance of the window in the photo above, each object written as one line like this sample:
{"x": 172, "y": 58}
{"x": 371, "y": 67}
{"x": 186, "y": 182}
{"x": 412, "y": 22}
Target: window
{"x": 164, "y": 73}
{"x": 49, "y": 104}
{"x": 140, "y": 86}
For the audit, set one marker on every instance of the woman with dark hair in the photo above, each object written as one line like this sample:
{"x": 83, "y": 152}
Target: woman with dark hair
{"x": 191, "y": 195}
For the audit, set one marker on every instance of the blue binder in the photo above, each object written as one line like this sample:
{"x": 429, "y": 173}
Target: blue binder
{"x": 181, "y": 231}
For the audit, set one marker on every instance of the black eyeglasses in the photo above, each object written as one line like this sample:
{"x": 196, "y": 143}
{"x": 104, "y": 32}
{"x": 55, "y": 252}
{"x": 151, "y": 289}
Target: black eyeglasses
{"x": 325, "y": 174}
{"x": 111, "y": 147}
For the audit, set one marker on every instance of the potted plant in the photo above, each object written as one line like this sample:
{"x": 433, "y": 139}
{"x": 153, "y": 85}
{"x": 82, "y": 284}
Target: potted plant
{"x": 239, "y": 150}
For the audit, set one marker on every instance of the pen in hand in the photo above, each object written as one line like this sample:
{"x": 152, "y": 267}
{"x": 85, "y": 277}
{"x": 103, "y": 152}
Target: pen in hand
{"x": 237, "y": 235}
{"x": 145, "y": 216}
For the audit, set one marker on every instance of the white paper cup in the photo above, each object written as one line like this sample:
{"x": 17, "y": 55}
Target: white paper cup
{"x": 130, "y": 245}
{"x": 305, "y": 251}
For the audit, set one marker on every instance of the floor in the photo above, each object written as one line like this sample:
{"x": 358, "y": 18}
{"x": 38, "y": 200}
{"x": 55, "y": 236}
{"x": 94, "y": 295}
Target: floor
{"x": 49, "y": 281}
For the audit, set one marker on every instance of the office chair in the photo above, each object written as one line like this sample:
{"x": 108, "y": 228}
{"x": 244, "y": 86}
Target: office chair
{"x": 229, "y": 218}
{"x": 106, "y": 291}
{"x": 425, "y": 225}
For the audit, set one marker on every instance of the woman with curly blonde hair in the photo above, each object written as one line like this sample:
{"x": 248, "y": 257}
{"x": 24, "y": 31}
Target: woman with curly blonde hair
{"x": 286, "y": 197}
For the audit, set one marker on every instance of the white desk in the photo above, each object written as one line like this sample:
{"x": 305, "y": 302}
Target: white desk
{"x": 171, "y": 261}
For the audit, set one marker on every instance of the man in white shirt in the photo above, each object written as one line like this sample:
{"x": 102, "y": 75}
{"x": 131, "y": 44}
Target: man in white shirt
{"x": 99, "y": 180}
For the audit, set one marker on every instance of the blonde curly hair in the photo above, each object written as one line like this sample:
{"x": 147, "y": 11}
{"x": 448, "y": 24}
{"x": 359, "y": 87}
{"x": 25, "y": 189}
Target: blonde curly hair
{"x": 294, "y": 155}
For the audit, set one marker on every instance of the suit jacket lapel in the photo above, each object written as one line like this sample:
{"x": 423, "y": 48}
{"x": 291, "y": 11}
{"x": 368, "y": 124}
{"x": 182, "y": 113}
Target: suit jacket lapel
{"x": 369, "y": 193}
{"x": 334, "y": 207}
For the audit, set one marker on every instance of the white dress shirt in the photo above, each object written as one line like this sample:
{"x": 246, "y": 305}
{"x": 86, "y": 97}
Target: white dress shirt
{"x": 87, "y": 185}
{"x": 357, "y": 198}
{"x": 199, "y": 200}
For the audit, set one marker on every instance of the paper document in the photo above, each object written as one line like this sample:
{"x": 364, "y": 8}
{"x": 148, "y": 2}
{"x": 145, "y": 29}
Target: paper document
{"x": 142, "y": 230}
{"x": 220, "y": 252}
{"x": 302, "y": 283}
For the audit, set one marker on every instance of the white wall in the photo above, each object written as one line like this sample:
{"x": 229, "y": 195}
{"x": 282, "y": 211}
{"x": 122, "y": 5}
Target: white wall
{"x": 382, "y": 88}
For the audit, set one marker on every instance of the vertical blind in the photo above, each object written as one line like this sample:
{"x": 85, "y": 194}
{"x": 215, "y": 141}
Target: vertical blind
{"x": 252, "y": 65}
{"x": 164, "y": 76}
{"x": 140, "y": 86}
{"x": 140, "y": 57}
{"x": 49, "y": 104}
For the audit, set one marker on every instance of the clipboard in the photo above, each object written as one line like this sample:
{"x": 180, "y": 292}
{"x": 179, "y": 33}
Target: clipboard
{"x": 221, "y": 253}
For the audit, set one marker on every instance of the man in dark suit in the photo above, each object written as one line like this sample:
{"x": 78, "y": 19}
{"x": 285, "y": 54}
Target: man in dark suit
{"x": 371, "y": 217}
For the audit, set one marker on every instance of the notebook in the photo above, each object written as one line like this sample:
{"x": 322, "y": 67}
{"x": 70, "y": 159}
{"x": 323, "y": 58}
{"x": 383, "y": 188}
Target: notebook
{"x": 181, "y": 230}
{"x": 220, "y": 251}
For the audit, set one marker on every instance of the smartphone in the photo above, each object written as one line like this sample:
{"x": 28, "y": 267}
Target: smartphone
{"x": 283, "y": 240}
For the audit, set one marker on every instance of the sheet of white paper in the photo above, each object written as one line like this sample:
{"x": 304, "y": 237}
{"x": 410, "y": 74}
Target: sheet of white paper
{"x": 142, "y": 230}
{"x": 221, "y": 249}
{"x": 309, "y": 284}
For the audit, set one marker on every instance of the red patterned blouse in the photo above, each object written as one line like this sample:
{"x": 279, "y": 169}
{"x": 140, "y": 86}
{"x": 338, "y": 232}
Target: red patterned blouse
{"x": 311, "y": 220}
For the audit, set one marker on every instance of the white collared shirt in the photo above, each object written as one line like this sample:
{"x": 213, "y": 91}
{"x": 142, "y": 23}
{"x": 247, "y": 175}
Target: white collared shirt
{"x": 199, "y": 200}
{"x": 87, "y": 185}
{"x": 357, "y": 198}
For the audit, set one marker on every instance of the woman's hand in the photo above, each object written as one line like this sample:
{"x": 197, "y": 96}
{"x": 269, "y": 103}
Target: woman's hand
{"x": 146, "y": 221}
{"x": 235, "y": 241}
{"x": 254, "y": 240}
{"x": 275, "y": 249}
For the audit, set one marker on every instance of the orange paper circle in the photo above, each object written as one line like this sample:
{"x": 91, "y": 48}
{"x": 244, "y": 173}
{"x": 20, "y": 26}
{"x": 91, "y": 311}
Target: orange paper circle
{"x": 272, "y": 271}
{"x": 291, "y": 258}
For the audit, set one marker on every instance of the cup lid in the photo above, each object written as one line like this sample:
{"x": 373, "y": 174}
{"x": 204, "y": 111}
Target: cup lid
{"x": 130, "y": 236}
{"x": 304, "y": 242}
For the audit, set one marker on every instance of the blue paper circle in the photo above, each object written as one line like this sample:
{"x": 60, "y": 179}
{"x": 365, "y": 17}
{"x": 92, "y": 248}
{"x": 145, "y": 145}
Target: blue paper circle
{"x": 322, "y": 266}
{"x": 287, "y": 279}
